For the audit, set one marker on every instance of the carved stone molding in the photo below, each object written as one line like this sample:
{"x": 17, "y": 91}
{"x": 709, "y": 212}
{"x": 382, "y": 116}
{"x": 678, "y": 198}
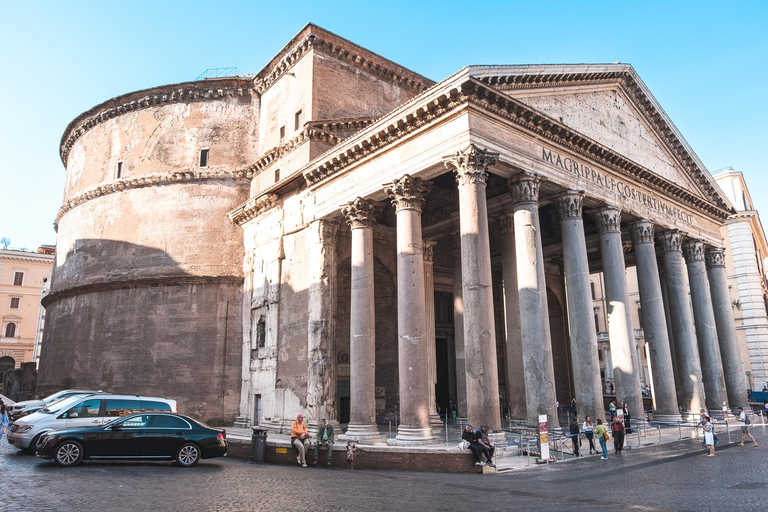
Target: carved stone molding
{"x": 608, "y": 219}
{"x": 524, "y": 188}
{"x": 252, "y": 208}
{"x": 670, "y": 241}
{"x": 361, "y": 213}
{"x": 408, "y": 193}
{"x": 454, "y": 237}
{"x": 471, "y": 164}
{"x": 642, "y": 232}
{"x": 428, "y": 249}
{"x": 715, "y": 257}
{"x": 141, "y": 182}
{"x": 196, "y": 91}
{"x": 569, "y": 204}
{"x": 506, "y": 222}
{"x": 327, "y": 231}
{"x": 693, "y": 251}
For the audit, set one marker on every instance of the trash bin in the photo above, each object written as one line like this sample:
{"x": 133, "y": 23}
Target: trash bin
{"x": 258, "y": 445}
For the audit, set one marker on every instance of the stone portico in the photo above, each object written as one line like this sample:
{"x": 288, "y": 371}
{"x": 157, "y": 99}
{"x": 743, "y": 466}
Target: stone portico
{"x": 440, "y": 249}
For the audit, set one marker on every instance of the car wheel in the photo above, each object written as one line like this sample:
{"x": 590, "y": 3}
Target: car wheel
{"x": 188, "y": 455}
{"x": 68, "y": 453}
{"x": 33, "y": 444}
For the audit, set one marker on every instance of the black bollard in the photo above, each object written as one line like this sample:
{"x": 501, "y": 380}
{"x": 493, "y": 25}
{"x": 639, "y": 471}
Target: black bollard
{"x": 258, "y": 445}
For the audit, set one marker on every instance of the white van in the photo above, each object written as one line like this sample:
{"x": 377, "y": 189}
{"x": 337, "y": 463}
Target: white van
{"x": 81, "y": 411}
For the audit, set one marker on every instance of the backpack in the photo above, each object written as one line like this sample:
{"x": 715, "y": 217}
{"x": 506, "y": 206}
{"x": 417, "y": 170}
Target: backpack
{"x": 746, "y": 419}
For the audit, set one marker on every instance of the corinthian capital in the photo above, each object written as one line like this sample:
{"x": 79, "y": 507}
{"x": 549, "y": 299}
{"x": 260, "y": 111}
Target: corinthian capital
{"x": 506, "y": 223}
{"x": 715, "y": 257}
{"x": 428, "y": 249}
{"x": 361, "y": 213}
{"x": 408, "y": 193}
{"x": 642, "y": 232}
{"x": 569, "y": 204}
{"x": 471, "y": 165}
{"x": 454, "y": 237}
{"x": 524, "y": 188}
{"x": 693, "y": 251}
{"x": 608, "y": 219}
{"x": 670, "y": 241}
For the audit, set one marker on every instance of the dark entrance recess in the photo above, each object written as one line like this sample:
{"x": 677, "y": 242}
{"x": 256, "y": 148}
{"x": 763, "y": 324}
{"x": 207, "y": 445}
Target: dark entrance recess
{"x": 342, "y": 391}
{"x": 442, "y": 387}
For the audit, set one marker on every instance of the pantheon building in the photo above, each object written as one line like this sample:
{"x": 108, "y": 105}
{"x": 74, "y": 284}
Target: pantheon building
{"x": 340, "y": 236}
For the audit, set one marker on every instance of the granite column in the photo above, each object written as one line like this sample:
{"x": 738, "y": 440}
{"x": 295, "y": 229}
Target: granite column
{"x": 361, "y": 216}
{"x": 471, "y": 167}
{"x": 726, "y": 328}
{"x": 515, "y": 372}
{"x": 458, "y": 325}
{"x": 532, "y": 292}
{"x": 626, "y": 367}
{"x": 655, "y": 322}
{"x": 581, "y": 325}
{"x": 408, "y": 195}
{"x": 706, "y": 330}
{"x": 691, "y": 392}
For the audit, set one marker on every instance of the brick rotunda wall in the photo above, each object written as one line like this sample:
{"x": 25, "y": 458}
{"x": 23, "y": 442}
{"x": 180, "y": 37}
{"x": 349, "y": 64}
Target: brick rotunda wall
{"x": 146, "y": 290}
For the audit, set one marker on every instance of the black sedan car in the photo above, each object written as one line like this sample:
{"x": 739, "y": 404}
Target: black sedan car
{"x": 145, "y": 436}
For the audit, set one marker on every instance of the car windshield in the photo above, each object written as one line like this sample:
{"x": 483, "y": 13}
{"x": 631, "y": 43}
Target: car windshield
{"x": 55, "y": 397}
{"x": 61, "y": 404}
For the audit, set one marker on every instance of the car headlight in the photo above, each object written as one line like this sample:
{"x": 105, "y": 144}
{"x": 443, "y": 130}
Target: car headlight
{"x": 26, "y": 428}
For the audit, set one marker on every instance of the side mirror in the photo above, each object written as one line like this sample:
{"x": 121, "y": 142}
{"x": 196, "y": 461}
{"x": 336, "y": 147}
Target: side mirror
{"x": 72, "y": 415}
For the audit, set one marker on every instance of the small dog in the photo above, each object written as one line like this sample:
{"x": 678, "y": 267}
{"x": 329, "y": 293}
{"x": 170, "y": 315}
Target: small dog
{"x": 351, "y": 449}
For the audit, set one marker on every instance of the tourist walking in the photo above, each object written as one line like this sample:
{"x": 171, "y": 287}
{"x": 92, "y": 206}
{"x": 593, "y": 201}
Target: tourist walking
{"x": 602, "y": 437}
{"x": 618, "y": 435}
{"x": 744, "y": 420}
{"x": 612, "y": 409}
{"x": 325, "y": 437}
{"x": 300, "y": 439}
{"x": 589, "y": 432}
{"x": 709, "y": 434}
{"x": 575, "y": 439}
{"x": 573, "y": 407}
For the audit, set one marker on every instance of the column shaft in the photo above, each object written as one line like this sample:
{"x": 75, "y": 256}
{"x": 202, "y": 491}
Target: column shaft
{"x": 726, "y": 328}
{"x": 691, "y": 392}
{"x": 458, "y": 326}
{"x": 655, "y": 322}
{"x": 321, "y": 380}
{"x": 407, "y": 195}
{"x": 362, "y": 324}
{"x": 429, "y": 302}
{"x": 477, "y": 287}
{"x": 706, "y": 330}
{"x": 581, "y": 325}
{"x": 515, "y": 372}
{"x": 532, "y": 292}
{"x": 626, "y": 367}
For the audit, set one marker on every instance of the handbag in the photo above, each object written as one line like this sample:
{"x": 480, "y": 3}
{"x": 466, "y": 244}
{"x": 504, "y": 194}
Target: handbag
{"x": 464, "y": 444}
{"x": 607, "y": 435}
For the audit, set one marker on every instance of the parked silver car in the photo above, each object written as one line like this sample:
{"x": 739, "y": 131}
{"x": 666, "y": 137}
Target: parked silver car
{"x": 20, "y": 409}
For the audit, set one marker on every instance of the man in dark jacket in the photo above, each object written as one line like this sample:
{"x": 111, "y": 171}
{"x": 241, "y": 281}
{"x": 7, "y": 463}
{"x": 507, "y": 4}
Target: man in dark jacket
{"x": 575, "y": 439}
{"x": 324, "y": 438}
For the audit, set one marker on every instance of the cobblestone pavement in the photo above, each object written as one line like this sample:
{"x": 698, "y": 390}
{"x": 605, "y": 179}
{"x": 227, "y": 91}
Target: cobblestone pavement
{"x": 671, "y": 477}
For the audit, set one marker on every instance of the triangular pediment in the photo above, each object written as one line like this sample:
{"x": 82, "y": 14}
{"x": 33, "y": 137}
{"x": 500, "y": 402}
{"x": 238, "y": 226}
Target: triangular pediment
{"x": 609, "y": 104}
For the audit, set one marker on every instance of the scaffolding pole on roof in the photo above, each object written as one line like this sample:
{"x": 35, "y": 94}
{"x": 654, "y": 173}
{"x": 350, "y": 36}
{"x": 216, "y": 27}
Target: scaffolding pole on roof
{"x": 218, "y": 73}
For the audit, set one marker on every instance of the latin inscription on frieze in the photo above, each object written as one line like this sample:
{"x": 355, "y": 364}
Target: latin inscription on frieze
{"x": 603, "y": 180}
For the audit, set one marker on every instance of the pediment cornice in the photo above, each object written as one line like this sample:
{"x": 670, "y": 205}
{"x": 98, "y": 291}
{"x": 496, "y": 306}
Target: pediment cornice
{"x": 624, "y": 77}
{"x": 469, "y": 91}
{"x": 253, "y": 207}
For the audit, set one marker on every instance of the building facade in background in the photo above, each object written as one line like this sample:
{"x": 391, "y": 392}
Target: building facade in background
{"x": 24, "y": 276}
{"x": 747, "y": 250}
{"x": 339, "y": 236}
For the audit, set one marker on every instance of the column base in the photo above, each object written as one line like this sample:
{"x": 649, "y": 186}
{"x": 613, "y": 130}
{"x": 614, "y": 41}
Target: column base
{"x": 437, "y": 424}
{"x": 413, "y": 436}
{"x": 362, "y": 434}
{"x": 690, "y": 415}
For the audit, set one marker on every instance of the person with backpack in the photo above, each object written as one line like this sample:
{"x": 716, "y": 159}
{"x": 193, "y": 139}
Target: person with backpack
{"x": 618, "y": 435}
{"x": 602, "y": 436}
{"x": 744, "y": 421}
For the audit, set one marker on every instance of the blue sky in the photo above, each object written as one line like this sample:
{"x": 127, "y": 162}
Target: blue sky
{"x": 706, "y": 63}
